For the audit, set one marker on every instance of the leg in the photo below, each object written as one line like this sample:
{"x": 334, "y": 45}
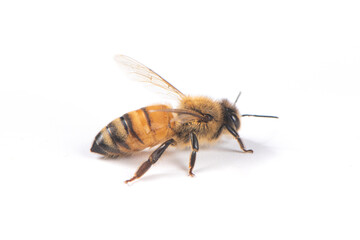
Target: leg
{"x": 236, "y": 135}
{"x": 152, "y": 159}
{"x": 194, "y": 148}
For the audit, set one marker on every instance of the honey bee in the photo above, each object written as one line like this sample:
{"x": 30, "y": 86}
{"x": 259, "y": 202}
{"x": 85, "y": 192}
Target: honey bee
{"x": 197, "y": 119}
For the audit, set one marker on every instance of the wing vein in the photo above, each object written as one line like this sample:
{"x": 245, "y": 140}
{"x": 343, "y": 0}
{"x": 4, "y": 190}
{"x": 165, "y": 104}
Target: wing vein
{"x": 144, "y": 74}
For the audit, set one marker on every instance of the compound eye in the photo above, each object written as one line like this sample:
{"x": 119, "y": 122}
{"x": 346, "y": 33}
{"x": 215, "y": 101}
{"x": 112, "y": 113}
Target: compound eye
{"x": 235, "y": 120}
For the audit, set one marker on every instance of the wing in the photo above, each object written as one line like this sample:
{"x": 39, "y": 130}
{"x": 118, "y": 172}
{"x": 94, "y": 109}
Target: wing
{"x": 142, "y": 73}
{"x": 183, "y": 115}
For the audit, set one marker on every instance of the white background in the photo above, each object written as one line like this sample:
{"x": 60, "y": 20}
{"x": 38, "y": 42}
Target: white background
{"x": 59, "y": 85}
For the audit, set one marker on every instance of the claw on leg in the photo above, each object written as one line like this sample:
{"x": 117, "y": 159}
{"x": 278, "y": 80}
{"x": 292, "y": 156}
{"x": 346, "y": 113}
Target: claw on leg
{"x": 130, "y": 180}
{"x": 248, "y": 151}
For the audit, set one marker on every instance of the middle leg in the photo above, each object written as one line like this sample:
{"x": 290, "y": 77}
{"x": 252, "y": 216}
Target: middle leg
{"x": 194, "y": 147}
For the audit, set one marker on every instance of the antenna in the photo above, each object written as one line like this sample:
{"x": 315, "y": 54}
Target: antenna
{"x": 264, "y": 116}
{"x": 237, "y": 98}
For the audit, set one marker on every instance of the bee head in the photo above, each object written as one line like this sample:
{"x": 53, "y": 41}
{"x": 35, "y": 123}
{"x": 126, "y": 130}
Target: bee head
{"x": 231, "y": 114}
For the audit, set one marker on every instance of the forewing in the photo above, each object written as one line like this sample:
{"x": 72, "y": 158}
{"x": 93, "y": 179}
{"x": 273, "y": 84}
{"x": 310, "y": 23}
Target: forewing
{"x": 183, "y": 115}
{"x": 140, "y": 72}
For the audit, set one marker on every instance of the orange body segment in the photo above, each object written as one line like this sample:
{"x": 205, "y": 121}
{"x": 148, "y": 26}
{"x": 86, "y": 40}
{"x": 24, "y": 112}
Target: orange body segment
{"x": 135, "y": 131}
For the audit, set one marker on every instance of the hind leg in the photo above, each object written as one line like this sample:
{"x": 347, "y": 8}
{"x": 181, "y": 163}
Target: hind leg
{"x": 152, "y": 159}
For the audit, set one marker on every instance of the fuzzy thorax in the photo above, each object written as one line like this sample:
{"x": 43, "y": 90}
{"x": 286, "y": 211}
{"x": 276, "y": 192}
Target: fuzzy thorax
{"x": 206, "y": 131}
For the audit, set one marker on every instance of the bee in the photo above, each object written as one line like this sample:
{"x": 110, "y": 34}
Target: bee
{"x": 197, "y": 119}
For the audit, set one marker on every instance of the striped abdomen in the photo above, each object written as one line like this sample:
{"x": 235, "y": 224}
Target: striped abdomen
{"x": 134, "y": 131}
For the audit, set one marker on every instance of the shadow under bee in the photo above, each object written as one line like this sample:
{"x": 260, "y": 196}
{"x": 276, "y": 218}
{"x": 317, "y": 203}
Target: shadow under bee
{"x": 220, "y": 156}
{"x": 172, "y": 157}
{"x": 225, "y": 155}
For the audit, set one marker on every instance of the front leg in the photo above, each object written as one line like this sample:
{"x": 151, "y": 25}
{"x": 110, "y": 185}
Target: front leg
{"x": 194, "y": 148}
{"x": 236, "y": 135}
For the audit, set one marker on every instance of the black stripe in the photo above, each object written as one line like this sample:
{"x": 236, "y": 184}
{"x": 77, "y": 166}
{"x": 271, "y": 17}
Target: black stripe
{"x": 129, "y": 123}
{"x": 115, "y": 136}
{"x": 124, "y": 124}
{"x": 111, "y": 135}
{"x": 147, "y": 116}
{"x": 97, "y": 149}
{"x": 99, "y": 139}
{"x": 110, "y": 150}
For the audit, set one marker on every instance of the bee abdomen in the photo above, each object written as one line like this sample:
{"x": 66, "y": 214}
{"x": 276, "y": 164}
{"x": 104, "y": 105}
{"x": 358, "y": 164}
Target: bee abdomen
{"x": 111, "y": 140}
{"x": 134, "y": 131}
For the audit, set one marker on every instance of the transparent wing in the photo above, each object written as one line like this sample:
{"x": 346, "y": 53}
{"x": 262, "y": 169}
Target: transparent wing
{"x": 183, "y": 115}
{"x": 140, "y": 72}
